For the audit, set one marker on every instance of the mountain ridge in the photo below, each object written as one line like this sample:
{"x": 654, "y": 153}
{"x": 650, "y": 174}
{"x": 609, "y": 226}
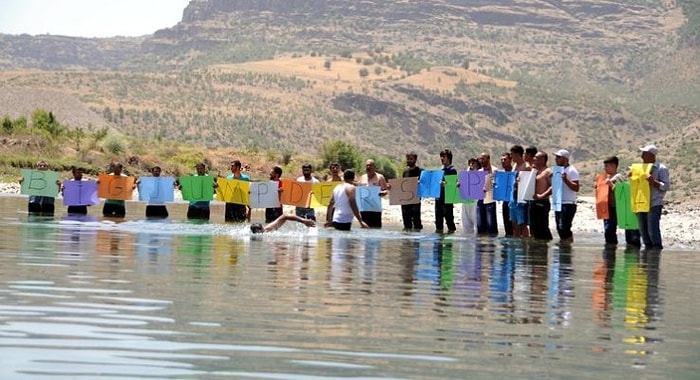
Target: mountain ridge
{"x": 388, "y": 76}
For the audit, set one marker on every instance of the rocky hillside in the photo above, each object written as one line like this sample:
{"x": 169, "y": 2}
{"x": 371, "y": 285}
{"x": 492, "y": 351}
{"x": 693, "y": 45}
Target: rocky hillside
{"x": 597, "y": 77}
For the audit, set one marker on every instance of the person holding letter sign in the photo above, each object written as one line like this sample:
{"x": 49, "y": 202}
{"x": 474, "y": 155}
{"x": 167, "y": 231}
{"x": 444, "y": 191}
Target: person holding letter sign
{"x": 507, "y": 165}
{"x": 518, "y": 211}
{"x": 199, "y": 210}
{"x": 41, "y": 204}
{"x": 611, "y": 178}
{"x": 90, "y": 193}
{"x": 155, "y": 208}
{"x": 570, "y": 181}
{"x": 444, "y": 212}
{"x": 273, "y": 213}
{"x": 410, "y": 214}
{"x": 486, "y": 221}
{"x": 115, "y": 208}
{"x": 469, "y": 207}
{"x": 234, "y": 212}
{"x": 659, "y": 183}
{"x": 372, "y": 178}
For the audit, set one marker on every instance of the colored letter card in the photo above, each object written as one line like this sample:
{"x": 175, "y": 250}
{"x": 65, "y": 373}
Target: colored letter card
{"x": 296, "y": 193}
{"x": 471, "y": 184}
{"x": 80, "y": 193}
{"x": 264, "y": 194}
{"x": 404, "y": 191}
{"x": 368, "y": 198}
{"x": 156, "y": 189}
{"x": 115, "y": 187}
{"x": 197, "y": 188}
{"x": 429, "y": 184}
{"x": 39, "y": 182}
{"x": 233, "y": 191}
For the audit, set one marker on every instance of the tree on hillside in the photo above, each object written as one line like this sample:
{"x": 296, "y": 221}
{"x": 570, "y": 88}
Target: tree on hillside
{"x": 43, "y": 120}
{"x": 7, "y": 125}
{"x": 345, "y": 154}
{"x": 386, "y": 167}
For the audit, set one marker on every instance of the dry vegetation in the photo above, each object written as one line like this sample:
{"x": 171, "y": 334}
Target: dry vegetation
{"x": 598, "y": 79}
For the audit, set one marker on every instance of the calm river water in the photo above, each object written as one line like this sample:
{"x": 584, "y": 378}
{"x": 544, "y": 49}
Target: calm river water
{"x": 86, "y": 298}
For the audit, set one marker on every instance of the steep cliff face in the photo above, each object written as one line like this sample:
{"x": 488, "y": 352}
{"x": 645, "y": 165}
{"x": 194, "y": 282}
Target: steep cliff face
{"x": 217, "y": 31}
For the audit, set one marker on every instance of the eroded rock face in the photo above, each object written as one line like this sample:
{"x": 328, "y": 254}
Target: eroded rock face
{"x": 216, "y": 29}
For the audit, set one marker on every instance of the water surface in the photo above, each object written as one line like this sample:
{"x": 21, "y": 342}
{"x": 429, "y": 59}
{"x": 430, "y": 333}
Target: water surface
{"x": 87, "y": 297}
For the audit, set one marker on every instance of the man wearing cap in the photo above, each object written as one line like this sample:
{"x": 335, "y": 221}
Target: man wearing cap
{"x": 659, "y": 183}
{"x": 570, "y": 186}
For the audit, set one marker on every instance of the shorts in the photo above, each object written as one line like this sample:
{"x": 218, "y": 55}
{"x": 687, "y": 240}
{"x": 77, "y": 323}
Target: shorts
{"x": 156, "y": 211}
{"x": 372, "y": 218}
{"x": 198, "y": 212}
{"x": 235, "y": 212}
{"x": 113, "y": 210}
{"x": 342, "y": 226}
{"x": 518, "y": 213}
{"x": 271, "y": 214}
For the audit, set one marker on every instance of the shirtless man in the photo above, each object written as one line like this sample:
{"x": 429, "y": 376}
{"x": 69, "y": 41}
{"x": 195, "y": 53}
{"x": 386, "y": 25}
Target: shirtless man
{"x": 518, "y": 211}
{"x": 540, "y": 206}
{"x": 371, "y": 177}
{"x": 334, "y": 171}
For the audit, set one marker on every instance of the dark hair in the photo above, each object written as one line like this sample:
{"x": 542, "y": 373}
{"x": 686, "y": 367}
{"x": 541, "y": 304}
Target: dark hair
{"x": 306, "y": 166}
{"x": 474, "y": 160}
{"x": 335, "y": 163}
{"x": 277, "y": 170}
{"x": 236, "y": 163}
{"x": 348, "y": 175}
{"x": 517, "y": 149}
{"x": 543, "y": 155}
{"x": 612, "y": 160}
{"x": 531, "y": 150}
{"x": 506, "y": 154}
{"x": 446, "y": 153}
{"x": 256, "y": 228}
{"x": 412, "y": 154}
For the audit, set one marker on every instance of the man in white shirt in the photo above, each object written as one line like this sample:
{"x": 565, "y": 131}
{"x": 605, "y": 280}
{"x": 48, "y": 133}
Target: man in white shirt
{"x": 570, "y": 186}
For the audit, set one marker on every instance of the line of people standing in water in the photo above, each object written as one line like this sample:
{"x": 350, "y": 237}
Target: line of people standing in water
{"x": 531, "y": 217}
{"x": 520, "y": 219}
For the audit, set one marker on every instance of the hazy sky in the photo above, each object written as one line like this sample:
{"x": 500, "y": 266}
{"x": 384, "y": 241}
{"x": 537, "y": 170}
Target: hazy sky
{"x": 89, "y": 18}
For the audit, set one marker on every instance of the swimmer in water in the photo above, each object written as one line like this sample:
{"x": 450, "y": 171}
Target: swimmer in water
{"x": 258, "y": 228}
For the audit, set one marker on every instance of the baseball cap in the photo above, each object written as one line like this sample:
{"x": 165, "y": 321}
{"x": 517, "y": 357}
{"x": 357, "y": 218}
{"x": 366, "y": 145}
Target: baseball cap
{"x": 563, "y": 153}
{"x": 651, "y": 148}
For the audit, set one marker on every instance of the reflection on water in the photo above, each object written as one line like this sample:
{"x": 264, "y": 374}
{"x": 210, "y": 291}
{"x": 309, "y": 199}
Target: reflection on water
{"x": 83, "y": 296}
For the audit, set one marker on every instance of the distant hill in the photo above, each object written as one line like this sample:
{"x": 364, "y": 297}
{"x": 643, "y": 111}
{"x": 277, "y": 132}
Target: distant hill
{"x": 597, "y": 77}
